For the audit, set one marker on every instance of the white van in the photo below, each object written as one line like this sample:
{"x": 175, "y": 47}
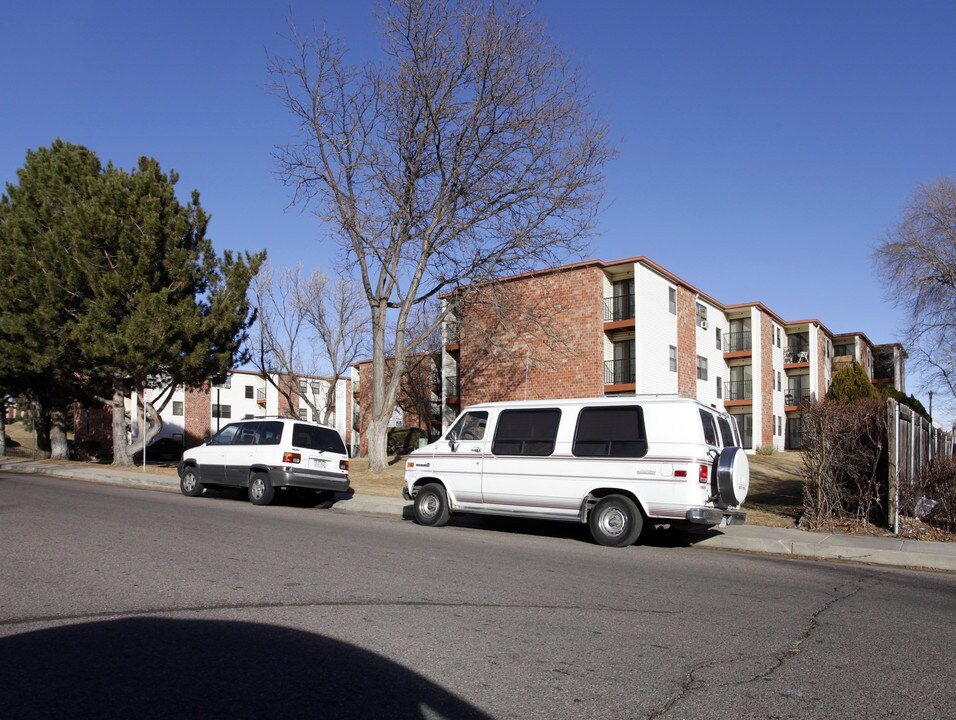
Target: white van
{"x": 616, "y": 463}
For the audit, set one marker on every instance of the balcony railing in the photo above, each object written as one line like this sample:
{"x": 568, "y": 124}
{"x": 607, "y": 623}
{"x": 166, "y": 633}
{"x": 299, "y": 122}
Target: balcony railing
{"x": 452, "y": 333}
{"x": 452, "y": 388}
{"x": 261, "y": 395}
{"x": 618, "y": 307}
{"x": 739, "y": 390}
{"x": 797, "y": 396}
{"x": 795, "y": 355}
{"x": 620, "y": 372}
{"x": 738, "y": 341}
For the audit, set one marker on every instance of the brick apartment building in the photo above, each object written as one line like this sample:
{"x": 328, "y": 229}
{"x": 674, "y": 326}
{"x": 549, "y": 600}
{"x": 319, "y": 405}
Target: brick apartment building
{"x": 192, "y": 415}
{"x": 632, "y": 327}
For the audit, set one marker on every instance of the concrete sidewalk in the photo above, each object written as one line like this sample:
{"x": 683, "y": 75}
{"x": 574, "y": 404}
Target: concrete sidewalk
{"x": 743, "y": 538}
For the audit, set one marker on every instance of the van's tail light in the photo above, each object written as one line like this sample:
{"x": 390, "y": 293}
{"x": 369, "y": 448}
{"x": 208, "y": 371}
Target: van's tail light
{"x": 704, "y": 475}
{"x": 344, "y": 465}
{"x": 291, "y": 457}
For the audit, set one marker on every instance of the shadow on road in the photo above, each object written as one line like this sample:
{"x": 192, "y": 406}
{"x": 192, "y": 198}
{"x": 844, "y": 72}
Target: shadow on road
{"x": 160, "y": 668}
{"x": 651, "y": 537}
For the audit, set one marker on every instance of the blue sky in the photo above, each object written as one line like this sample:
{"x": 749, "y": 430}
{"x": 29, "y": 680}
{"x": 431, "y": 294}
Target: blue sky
{"x": 765, "y": 146}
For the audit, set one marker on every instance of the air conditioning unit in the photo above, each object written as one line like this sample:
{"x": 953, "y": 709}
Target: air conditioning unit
{"x": 703, "y": 324}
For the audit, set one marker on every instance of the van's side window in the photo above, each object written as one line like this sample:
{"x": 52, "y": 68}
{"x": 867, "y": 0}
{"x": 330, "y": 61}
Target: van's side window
{"x": 610, "y": 432}
{"x": 726, "y": 432}
{"x": 710, "y": 429}
{"x": 526, "y": 432}
{"x": 470, "y": 426}
{"x": 270, "y": 433}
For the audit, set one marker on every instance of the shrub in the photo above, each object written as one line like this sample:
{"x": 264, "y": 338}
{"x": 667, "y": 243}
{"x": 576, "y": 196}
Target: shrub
{"x": 844, "y": 446}
{"x": 767, "y": 449}
{"x": 852, "y": 384}
{"x": 931, "y": 496}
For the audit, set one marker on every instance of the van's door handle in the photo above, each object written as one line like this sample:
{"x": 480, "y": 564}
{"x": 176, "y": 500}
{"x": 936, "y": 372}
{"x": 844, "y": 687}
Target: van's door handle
{"x": 476, "y": 450}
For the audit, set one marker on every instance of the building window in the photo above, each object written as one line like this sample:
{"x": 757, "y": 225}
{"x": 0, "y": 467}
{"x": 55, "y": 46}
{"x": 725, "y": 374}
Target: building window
{"x": 720, "y": 339}
{"x": 222, "y": 411}
{"x": 672, "y": 300}
{"x": 303, "y": 387}
{"x": 778, "y": 338}
{"x": 673, "y": 358}
{"x": 303, "y": 413}
{"x": 779, "y": 383}
{"x": 250, "y": 392}
{"x": 701, "y": 315}
{"x": 701, "y": 368}
{"x": 177, "y": 407}
{"x": 720, "y": 388}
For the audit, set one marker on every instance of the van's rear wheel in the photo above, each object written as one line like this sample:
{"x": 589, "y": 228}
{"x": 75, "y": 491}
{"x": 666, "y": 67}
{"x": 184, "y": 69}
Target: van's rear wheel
{"x": 616, "y": 521}
{"x": 431, "y": 506}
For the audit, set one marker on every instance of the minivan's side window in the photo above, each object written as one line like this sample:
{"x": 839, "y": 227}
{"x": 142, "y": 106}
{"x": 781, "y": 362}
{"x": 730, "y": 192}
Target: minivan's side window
{"x": 248, "y": 434}
{"x": 710, "y": 429}
{"x": 526, "y": 432}
{"x": 270, "y": 432}
{"x": 610, "y": 432}
{"x": 311, "y": 437}
{"x": 470, "y": 426}
{"x": 226, "y": 435}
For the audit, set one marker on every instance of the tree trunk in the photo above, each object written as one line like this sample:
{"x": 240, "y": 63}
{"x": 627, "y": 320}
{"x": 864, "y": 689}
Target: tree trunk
{"x": 152, "y": 429}
{"x": 121, "y": 453}
{"x": 40, "y": 417}
{"x": 59, "y": 447}
{"x": 3, "y": 428}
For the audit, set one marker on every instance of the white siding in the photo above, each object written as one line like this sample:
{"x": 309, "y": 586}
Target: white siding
{"x": 656, "y": 331}
{"x": 707, "y": 348}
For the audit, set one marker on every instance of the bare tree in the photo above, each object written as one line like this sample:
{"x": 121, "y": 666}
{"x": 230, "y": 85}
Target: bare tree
{"x": 308, "y": 327}
{"x": 918, "y": 261}
{"x": 468, "y": 154}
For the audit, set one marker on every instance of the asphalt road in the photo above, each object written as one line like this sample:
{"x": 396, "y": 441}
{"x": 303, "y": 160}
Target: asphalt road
{"x": 127, "y": 603}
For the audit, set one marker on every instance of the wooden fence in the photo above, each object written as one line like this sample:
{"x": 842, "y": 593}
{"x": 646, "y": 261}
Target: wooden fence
{"x": 912, "y": 441}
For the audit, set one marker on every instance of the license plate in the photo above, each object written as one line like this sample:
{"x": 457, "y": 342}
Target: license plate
{"x": 318, "y": 463}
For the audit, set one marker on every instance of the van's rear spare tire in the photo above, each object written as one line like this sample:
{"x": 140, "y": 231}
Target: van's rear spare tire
{"x": 733, "y": 476}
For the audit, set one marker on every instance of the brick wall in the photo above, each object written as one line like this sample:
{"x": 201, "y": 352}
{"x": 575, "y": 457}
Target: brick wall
{"x": 93, "y": 425}
{"x": 686, "y": 342}
{"x": 197, "y": 410}
{"x": 553, "y": 348}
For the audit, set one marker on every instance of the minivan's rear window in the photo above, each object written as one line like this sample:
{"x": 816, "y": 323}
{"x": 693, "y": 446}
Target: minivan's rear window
{"x": 526, "y": 432}
{"x": 611, "y": 432}
{"x": 322, "y": 439}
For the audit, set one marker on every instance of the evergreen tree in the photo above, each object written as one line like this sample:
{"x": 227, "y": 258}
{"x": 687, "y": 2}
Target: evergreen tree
{"x": 143, "y": 298}
{"x": 851, "y": 383}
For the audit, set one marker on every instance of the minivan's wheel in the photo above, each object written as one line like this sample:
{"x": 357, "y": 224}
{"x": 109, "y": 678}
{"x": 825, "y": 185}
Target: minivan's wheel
{"x": 733, "y": 476}
{"x": 189, "y": 483}
{"x": 431, "y": 506}
{"x": 261, "y": 491}
{"x": 616, "y": 521}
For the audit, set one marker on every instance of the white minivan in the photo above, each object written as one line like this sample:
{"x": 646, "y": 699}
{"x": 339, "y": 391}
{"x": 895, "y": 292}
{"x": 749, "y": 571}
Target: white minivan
{"x": 619, "y": 464}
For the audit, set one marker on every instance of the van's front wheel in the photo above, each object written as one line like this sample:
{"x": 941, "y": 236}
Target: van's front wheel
{"x": 616, "y": 521}
{"x": 431, "y": 506}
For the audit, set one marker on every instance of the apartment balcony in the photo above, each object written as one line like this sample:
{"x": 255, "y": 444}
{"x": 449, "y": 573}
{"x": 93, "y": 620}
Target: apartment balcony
{"x": 618, "y": 307}
{"x": 740, "y": 343}
{"x": 741, "y": 391}
{"x": 260, "y": 396}
{"x": 620, "y": 373}
{"x": 796, "y": 356}
{"x": 452, "y": 336}
{"x": 796, "y": 397}
{"x": 452, "y": 390}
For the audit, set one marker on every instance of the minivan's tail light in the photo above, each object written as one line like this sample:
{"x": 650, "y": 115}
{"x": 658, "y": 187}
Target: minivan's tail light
{"x": 344, "y": 465}
{"x": 704, "y": 475}
{"x": 291, "y": 457}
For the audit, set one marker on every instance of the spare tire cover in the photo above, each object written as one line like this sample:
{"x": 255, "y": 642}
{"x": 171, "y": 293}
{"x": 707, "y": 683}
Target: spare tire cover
{"x": 733, "y": 476}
